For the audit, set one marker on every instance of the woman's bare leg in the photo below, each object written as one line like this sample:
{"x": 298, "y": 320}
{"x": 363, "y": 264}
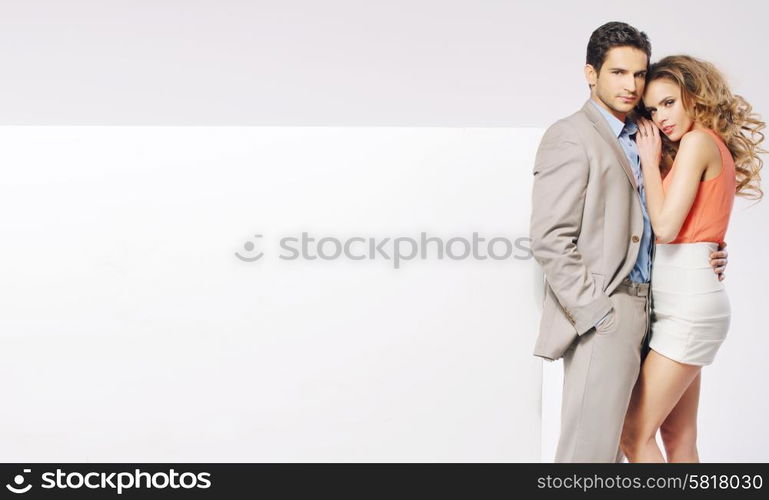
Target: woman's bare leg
{"x": 658, "y": 389}
{"x": 679, "y": 430}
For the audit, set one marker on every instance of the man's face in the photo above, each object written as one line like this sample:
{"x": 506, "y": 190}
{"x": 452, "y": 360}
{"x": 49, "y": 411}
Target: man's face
{"x": 620, "y": 84}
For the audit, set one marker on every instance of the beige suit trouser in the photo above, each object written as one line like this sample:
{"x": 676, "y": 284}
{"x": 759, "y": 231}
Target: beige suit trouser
{"x": 600, "y": 370}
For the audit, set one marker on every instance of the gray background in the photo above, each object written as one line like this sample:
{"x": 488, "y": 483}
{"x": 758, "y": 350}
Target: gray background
{"x": 338, "y": 62}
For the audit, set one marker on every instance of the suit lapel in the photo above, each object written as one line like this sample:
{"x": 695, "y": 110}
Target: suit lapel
{"x": 608, "y": 135}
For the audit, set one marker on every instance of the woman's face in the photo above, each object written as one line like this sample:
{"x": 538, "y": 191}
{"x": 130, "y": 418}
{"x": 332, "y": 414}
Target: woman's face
{"x": 662, "y": 100}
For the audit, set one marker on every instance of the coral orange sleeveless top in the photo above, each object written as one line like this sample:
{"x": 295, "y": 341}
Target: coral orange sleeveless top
{"x": 708, "y": 218}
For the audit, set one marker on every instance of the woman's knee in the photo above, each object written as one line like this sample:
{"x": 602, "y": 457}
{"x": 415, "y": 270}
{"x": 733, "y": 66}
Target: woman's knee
{"x": 634, "y": 439}
{"x": 679, "y": 437}
{"x": 627, "y": 443}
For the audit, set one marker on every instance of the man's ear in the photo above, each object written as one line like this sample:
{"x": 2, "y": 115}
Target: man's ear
{"x": 591, "y": 75}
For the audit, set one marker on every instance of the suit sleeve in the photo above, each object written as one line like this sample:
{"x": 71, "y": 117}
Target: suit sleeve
{"x": 561, "y": 175}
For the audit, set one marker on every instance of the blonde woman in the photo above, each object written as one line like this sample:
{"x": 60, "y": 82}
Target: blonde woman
{"x": 698, "y": 150}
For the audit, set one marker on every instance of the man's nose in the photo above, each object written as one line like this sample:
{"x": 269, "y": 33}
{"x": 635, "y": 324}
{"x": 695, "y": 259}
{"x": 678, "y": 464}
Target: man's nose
{"x": 630, "y": 84}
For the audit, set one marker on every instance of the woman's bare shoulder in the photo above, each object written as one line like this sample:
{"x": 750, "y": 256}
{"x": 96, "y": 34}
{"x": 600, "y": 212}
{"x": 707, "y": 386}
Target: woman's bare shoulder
{"x": 699, "y": 144}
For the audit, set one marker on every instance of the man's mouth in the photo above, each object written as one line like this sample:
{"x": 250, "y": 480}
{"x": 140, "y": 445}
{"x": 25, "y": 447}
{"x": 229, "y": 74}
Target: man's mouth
{"x": 628, "y": 99}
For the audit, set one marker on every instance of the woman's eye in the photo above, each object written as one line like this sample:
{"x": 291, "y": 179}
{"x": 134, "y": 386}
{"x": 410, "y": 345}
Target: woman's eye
{"x": 668, "y": 103}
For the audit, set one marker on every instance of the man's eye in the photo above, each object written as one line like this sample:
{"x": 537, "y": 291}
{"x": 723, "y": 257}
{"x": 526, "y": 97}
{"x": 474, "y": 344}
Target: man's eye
{"x": 615, "y": 72}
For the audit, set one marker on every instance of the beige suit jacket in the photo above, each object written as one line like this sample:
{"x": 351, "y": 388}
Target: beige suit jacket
{"x": 586, "y": 225}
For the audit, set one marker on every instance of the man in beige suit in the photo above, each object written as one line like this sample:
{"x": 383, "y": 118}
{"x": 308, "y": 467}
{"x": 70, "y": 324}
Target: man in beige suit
{"x": 591, "y": 233}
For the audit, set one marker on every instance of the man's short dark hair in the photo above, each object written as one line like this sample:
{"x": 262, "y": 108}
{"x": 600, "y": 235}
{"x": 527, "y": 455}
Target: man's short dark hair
{"x": 614, "y": 34}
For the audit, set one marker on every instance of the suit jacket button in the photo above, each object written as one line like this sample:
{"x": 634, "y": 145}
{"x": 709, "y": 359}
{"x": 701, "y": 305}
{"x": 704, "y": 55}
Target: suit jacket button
{"x": 635, "y": 239}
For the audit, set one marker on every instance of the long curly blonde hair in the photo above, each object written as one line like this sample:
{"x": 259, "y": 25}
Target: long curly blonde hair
{"x": 707, "y": 98}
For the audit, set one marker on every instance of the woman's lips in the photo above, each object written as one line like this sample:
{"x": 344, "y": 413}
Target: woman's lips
{"x": 667, "y": 130}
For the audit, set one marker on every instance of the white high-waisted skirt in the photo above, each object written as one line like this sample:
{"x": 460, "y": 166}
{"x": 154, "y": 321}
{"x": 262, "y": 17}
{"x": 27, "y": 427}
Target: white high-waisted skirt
{"x": 691, "y": 307}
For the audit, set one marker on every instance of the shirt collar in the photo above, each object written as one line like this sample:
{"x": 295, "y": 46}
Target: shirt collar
{"x": 615, "y": 123}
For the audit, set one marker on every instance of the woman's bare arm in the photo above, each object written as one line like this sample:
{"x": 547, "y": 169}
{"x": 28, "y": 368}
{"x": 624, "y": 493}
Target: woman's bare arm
{"x": 668, "y": 210}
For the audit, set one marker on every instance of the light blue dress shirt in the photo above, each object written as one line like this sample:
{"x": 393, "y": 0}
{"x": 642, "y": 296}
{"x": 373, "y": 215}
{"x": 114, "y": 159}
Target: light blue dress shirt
{"x": 641, "y": 271}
